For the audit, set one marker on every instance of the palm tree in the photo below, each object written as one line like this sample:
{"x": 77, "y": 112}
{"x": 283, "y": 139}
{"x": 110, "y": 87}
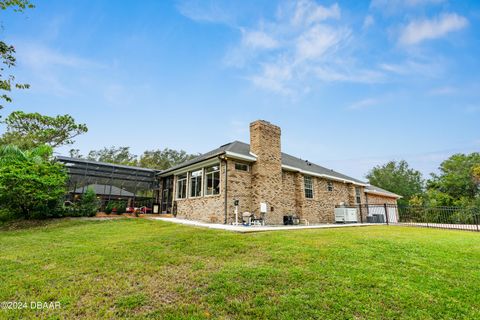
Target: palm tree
{"x": 13, "y": 153}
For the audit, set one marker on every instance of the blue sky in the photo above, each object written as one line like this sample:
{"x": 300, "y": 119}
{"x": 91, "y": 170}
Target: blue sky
{"x": 352, "y": 84}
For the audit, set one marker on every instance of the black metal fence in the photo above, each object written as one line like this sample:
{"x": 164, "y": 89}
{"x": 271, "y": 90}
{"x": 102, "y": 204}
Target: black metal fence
{"x": 458, "y": 218}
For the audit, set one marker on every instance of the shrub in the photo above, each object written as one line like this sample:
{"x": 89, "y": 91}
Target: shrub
{"x": 109, "y": 207}
{"x": 119, "y": 206}
{"x": 6, "y": 215}
{"x": 89, "y": 203}
{"x": 32, "y": 184}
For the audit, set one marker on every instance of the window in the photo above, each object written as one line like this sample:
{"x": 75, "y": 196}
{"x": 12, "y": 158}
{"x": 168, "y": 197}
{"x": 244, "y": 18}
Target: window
{"x": 182, "y": 186}
{"x": 212, "y": 180}
{"x": 196, "y": 183}
{"x": 358, "y": 196}
{"x": 241, "y": 166}
{"x": 330, "y": 186}
{"x": 308, "y": 185}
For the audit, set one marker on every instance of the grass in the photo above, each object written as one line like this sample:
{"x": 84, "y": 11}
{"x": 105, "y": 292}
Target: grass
{"x": 136, "y": 268}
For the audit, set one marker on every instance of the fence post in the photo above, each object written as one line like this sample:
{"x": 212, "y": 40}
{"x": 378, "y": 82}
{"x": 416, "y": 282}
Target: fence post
{"x": 475, "y": 216}
{"x": 386, "y": 212}
{"x": 361, "y": 216}
{"x": 425, "y": 214}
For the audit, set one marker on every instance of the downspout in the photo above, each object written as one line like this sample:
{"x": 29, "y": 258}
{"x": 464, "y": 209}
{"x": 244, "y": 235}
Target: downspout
{"x": 224, "y": 159}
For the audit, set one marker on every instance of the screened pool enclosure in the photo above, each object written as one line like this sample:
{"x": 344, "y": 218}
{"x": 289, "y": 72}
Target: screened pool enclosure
{"x": 128, "y": 185}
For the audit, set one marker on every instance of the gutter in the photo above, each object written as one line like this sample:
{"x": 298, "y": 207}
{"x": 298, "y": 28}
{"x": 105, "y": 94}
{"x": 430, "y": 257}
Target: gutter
{"x": 240, "y": 156}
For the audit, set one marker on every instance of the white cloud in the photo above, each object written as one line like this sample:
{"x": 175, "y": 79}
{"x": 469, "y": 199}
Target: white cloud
{"x": 368, "y": 21}
{"x": 304, "y": 43}
{"x": 259, "y": 39}
{"x": 38, "y": 57}
{"x": 363, "y": 104}
{"x": 308, "y": 12}
{"x": 51, "y": 70}
{"x": 204, "y": 11}
{"x": 420, "y": 30}
{"x": 274, "y": 77}
{"x": 432, "y": 68}
{"x": 393, "y": 6}
{"x": 441, "y": 91}
{"x": 317, "y": 40}
{"x": 357, "y": 75}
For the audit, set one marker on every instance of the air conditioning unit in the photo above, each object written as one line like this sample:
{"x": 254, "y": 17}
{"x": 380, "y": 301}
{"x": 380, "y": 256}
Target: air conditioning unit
{"x": 346, "y": 215}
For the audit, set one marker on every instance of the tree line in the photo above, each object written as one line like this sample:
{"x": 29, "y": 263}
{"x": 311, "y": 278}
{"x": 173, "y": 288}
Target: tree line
{"x": 154, "y": 159}
{"x": 457, "y": 183}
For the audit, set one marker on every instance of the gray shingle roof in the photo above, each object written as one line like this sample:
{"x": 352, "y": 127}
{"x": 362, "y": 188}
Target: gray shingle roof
{"x": 315, "y": 168}
{"x": 235, "y": 146}
{"x": 288, "y": 160}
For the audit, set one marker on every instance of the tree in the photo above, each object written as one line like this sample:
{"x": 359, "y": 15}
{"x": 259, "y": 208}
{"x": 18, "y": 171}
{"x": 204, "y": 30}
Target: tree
{"x": 7, "y": 54}
{"x": 32, "y": 185}
{"x": 163, "y": 159}
{"x": 399, "y": 178}
{"x": 456, "y": 183}
{"x": 89, "y": 203}
{"x": 29, "y": 130}
{"x": 476, "y": 174}
{"x": 75, "y": 153}
{"x": 120, "y": 155}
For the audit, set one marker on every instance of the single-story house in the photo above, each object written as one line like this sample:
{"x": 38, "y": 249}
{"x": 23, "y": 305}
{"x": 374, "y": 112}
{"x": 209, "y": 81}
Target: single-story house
{"x": 261, "y": 179}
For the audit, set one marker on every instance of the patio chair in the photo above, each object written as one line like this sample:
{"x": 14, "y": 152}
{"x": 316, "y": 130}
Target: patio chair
{"x": 259, "y": 221}
{"x": 247, "y": 218}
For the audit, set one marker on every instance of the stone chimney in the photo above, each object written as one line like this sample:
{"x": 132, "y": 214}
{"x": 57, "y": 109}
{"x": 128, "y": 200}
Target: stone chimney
{"x": 267, "y": 170}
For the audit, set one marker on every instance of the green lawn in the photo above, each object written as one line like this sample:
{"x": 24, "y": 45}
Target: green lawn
{"x": 134, "y": 268}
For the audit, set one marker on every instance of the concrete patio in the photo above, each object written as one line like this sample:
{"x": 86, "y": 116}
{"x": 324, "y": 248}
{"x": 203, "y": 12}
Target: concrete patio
{"x": 256, "y": 228}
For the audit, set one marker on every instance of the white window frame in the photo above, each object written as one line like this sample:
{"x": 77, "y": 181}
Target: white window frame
{"x": 190, "y": 183}
{"x": 242, "y": 164}
{"x": 309, "y": 189}
{"x": 177, "y": 191}
{"x": 205, "y": 180}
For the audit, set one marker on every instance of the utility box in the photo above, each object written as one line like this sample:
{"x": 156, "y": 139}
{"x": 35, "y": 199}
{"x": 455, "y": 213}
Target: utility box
{"x": 263, "y": 207}
{"x": 346, "y": 215}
